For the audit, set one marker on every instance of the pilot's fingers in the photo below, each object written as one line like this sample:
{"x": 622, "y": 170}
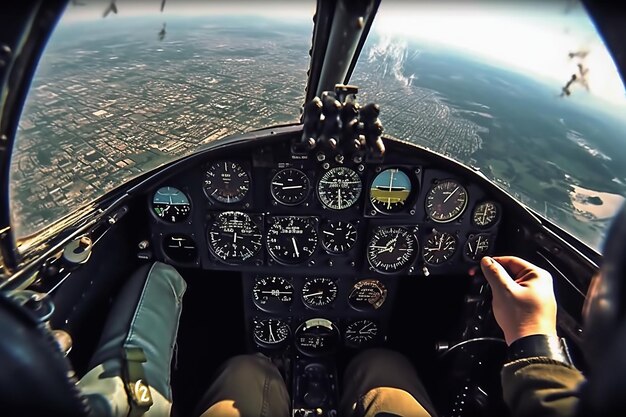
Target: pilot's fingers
{"x": 496, "y": 275}
{"x": 515, "y": 265}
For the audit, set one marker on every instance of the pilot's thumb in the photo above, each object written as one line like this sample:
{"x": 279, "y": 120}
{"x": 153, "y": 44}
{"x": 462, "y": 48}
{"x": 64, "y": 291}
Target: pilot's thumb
{"x": 496, "y": 275}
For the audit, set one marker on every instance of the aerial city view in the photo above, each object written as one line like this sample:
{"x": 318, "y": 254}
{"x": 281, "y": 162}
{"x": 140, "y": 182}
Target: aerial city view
{"x": 119, "y": 100}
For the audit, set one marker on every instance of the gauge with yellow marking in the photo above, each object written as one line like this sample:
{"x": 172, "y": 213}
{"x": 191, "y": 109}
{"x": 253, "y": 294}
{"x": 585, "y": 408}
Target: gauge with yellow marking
{"x": 390, "y": 190}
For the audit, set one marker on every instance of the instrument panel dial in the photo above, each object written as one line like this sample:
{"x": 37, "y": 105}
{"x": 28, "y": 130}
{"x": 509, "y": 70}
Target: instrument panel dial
{"x": 339, "y": 188}
{"x": 446, "y": 201}
{"x": 290, "y": 186}
{"x": 477, "y": 246}
{"x": 180, "y": 248}
{"x": 439, "y": 248}
{"x": 317, "y": 337}
{"x": 390, "y": 190}
{"x": 485, "y": 214}
{"x": 292, "y": 239}
{"x": 338, "y": 237}
{"x": 171, "y": 205}
{"x": 367, "y": 294}
{"x": 272, "y": 293}
{"x": 391, "y": 249}
{"x": 234, "y": 237}
{"x": 360, "y": 332}
{"x": 319, "y": 292}
{"x": 270, "y": 333}
{"x": 226, "y": 182}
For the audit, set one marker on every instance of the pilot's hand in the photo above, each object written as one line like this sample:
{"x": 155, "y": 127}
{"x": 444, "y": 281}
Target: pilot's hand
{"x": 523, "y": 297}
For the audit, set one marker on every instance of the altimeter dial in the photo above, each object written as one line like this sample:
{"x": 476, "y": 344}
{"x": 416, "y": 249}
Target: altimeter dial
{"x": 234, "y": 237}
{"x": 391, "y": 249}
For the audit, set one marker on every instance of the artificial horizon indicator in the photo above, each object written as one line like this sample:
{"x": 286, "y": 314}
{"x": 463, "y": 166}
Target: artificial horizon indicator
{"x": 171, "y": 204}
{"x": 390, "y": 190}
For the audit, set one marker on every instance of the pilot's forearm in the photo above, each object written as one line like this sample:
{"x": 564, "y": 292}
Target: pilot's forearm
{"x": 541, "y": 387}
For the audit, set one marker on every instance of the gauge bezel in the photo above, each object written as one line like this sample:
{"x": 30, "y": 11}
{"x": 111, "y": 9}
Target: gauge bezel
{"x": 355, "y": 226}
{"x": 331, "y": 327}
{"x": 450, "y": 258}
{"x": 245, "y": 200}
{"x": 257, "y": 220}
{"x": 322, "y": 201}
{"x": 350, "y": 343}
{"x": 188, "y": 236}
{"x": 473, "y": 236}
{"x": 319, "y": 307}
{"x": 409, "y": 202}
{"x": 437, "y": 183}
{"x": 184, "y": 190}
{"x": 271, "y": 220}
{"x": 304, "y": 198}
{"x": 269, "y": 345}
{"x": 411, "y": 232}
{"x": 378, "y": 304}
{"x": 495, "y": 221}
{"x": 278, "y": 305}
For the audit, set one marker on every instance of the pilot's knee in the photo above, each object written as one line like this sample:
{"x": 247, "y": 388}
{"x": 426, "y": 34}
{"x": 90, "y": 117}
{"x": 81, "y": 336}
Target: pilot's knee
{"x": 376, "y": 357}
{"x": 250, "y": 364}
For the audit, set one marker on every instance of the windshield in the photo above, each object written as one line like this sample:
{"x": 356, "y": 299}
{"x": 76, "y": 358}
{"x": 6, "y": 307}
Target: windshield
{"x": 524, "y": 91}
{"x": 123, "y": 89}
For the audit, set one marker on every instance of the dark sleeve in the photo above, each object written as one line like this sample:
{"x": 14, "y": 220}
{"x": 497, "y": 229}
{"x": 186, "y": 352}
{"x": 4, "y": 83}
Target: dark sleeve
{"x": 541, "y": 387}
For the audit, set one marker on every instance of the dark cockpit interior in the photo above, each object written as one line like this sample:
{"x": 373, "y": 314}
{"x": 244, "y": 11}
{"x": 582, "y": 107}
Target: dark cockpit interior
{"x": 307, "y": 242}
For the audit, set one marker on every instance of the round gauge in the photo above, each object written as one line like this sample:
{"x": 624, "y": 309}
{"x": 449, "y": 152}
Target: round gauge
{"x": 234, "y": 237}
{"x": 446, "y": 201}
{"x": 439, "y": 247}
{"x": 485, "y": 214}
{"x": 338, "y": 237}
{"x": 339, "y": 188}
{"x": 171, "y": 204}
{"x": 319, "y": 292}
{"x": 180, "y": 248}
{"x": 272, "y": 293}
{"x": 317, "y": 337}
{"x": 270, "y": 333}
{"x": 367, "y": 294}
{"x": 292, "y": 239}
{"x": 360, "y": 332}
{"x": 391, "y": 249}
{"x": 226, "y": 182}
{"x": 290, "y": 186}
{"x": 477, "y": 246}
{"x": 390, "y": 190}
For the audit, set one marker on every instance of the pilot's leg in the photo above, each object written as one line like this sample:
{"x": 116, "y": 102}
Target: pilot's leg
{"x": 246, "y": 386}
{"x": 379, "y": 381}
{"x": 145, "y": 315}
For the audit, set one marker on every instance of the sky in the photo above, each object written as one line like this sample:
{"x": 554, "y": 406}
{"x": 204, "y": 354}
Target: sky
{"x": 529, "y": 36}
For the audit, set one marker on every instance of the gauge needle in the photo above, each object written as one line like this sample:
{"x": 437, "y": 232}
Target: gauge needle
{"x": 292, "y": 187}
{"x": 280, "y": 184}
{"x": 235, "y": 237}
{"x": 315, "y": 294}
{"x": 451, "y": 194}
{"x": 272, "y": 338}
{"x": 339, "y": 198}
{"x": 328, "y": 233}
{"x": 295, "y": 246}
{"x": 390, "y": 181}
